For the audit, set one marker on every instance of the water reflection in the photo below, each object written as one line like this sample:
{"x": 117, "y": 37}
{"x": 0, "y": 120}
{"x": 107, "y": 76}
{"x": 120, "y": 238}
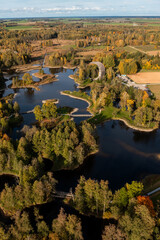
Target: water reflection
{"x": 120, "y": 159}
{"x": 124, "y": 154}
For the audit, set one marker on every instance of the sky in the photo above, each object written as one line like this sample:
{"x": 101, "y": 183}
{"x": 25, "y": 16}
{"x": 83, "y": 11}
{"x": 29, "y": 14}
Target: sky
{"x": 70, "y": 8}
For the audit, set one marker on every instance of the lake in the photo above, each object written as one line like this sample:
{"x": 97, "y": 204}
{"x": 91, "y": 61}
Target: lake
{"x": 124, "y": 154}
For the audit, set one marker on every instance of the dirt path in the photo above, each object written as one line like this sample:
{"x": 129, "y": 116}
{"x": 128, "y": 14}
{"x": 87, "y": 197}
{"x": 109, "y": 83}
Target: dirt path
{"x": 139, "y": 50}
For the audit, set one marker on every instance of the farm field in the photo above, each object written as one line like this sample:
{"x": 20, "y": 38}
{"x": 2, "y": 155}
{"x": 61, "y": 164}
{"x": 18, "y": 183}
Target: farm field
{"x": 148, "y": 48}
{"x": 89, "y": 53}
{"x": 146, "y": 77}
{"x": 155, "y": 89}
{"x": 154, "y": 53}
{"x": 22, "y": 27}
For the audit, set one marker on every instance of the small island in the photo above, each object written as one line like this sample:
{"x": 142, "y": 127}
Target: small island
{"x": 28, "y": 82}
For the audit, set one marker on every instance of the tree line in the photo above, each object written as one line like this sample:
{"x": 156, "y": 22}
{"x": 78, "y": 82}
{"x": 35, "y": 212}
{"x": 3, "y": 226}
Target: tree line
{"x": 130, "y": 215}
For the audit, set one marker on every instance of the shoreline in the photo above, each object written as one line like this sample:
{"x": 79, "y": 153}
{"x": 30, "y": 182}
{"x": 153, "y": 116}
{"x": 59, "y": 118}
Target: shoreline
{"x": 22, "y": 69}
{"x": 80, "y": 87}
{"x": 16, "y": 175}
{"x": 29, "y": 86}
{"x": 114, "y": 118}
{"x": 40, "y": 76}
{"x": 48, "y": 66}
{"x": 50, "y": 100}
{"x": 36, "y": 84}
{"x": 89, "y": 104}
{"x": 65, "y": 67}
{"x": 134, "y": 127}
{"x": 77, "y": 167}
{"x": 74, "y": 110}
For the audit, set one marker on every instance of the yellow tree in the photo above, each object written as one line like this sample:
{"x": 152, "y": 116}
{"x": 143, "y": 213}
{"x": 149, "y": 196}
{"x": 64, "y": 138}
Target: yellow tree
{"x": 123, "y": 100}
{"x": 130, "y": 104}
{"x": 145, "y": 97}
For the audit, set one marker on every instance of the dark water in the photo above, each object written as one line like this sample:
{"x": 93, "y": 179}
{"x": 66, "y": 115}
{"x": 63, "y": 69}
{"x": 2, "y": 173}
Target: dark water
{"x": 29, "y": 98}
{"x": 7, "y": 179}
{"x": 124, "y": 154}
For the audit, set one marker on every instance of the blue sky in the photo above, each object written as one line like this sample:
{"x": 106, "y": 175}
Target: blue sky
{"x": 56, "y": 8}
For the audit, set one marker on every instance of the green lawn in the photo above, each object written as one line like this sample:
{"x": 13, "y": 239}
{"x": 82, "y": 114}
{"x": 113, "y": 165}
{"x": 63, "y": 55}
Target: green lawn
{"x": 155, "y": 89}
{"x": 150, "y": 70}
{"x": 66, "y": 47}
{"x": 93, "y": 47}
{"x": 107, "y": 113}
{"x": 147, "y": 48}
{"x": 137, "y": 48}
{"x": 130, "y": 49}
{"x": 150, "y": 20}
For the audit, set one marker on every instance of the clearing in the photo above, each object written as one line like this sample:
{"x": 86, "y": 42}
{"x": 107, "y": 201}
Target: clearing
{"x": 88, "y": 53}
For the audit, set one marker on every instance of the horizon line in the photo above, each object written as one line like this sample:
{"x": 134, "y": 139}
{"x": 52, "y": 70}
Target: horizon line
{"x": 114, "y": 16}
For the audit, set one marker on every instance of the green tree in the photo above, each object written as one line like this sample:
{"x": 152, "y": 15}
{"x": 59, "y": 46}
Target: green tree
{"x": 111, "y": 232}
{"x": 38, "y": 113}
{"x": 27, "y": 79}
{"x": 16, "y": 107}
{"x": 137, "y": 222}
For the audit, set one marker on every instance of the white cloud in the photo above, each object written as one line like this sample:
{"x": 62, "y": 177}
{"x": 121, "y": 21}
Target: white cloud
{"x": 46, "y": 8}
{"x": 55, "y": 9}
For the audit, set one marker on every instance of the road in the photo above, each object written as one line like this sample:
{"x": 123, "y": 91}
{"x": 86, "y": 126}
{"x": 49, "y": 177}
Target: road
{"x": 154, "y": 191}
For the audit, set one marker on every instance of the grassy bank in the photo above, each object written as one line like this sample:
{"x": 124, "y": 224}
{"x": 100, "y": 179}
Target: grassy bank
{"x": 79, "y": 95}
{"x": 109, "y": 112}
{"x": 45, "y": 80}
{"x": 86, "y": 83}
{"x": 116, "y": 114}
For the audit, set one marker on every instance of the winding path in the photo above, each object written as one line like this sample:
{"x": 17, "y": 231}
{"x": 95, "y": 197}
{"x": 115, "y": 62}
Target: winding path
{"x": 102, "y": 70}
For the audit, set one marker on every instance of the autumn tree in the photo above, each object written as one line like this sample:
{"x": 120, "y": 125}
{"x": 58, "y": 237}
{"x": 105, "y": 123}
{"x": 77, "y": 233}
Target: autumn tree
{"x": 27, "y": 79}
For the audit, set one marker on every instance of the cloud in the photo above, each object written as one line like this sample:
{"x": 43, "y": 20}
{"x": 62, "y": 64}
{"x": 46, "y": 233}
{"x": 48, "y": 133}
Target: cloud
{"x": 39, "y": 8}
{"x": 55, "y": 9}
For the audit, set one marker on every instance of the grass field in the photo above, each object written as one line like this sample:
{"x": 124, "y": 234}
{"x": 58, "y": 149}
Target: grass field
{"x": 108, "y": 23}
{"x": 66, "y": 47}
{"x": 147, "y": 70}
{"x": 154, "y": 53}
{"x": 155, "y": 89}
{"x": 146, "y": 77}
{"x": 22, "y": 27}
{"x": 95, "y": 47}
{"x": 89, "y": 53}
{"x": 150, "y": 20}
{"x": 147, "y": 48}
{"x": 130, "y": 49}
